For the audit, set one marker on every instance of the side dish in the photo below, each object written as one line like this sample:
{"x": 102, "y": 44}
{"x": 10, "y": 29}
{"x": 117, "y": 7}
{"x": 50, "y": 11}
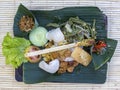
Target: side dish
{"x": 26, "y": 23}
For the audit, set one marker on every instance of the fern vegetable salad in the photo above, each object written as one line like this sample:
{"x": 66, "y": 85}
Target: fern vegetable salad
{"x": 32, "y": 37}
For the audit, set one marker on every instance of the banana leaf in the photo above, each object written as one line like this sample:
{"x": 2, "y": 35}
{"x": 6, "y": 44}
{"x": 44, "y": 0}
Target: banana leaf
{"x": 33, "y": 74}
{"x": 100, "y": 60}
{"x": 22, "y": 11}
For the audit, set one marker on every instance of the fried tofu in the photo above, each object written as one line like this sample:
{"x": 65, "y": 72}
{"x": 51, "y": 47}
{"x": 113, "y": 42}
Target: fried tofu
{"x": 81, "y": 56}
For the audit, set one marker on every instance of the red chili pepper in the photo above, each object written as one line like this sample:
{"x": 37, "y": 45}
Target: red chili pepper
{"x": 99, "y": 45}
{"x": 102, "y": 43}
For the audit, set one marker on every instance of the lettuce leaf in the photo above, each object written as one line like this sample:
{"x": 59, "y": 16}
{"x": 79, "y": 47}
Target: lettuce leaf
{"x": 13, "y": 49}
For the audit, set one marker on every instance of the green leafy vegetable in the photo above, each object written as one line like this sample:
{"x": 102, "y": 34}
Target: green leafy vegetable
{"x": 76, "y": 29}
{"x": 13, "y": 50}
{"x": 53, "y": 25}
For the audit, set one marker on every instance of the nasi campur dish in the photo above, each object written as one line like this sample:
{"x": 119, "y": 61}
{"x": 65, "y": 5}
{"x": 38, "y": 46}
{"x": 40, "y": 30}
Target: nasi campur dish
{"x": 74, "y": 30}
{"x": 57, "y": 47}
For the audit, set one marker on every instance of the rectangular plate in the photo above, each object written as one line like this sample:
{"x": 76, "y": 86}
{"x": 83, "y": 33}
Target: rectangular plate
{"x": 81, "y": 74}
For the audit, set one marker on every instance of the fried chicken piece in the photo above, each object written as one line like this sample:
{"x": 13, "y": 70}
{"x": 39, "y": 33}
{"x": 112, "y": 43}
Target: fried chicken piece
{"x": 63, "y": 67}
{"x": 67, "y": 53}
{"x": 70, "y": 69}
{"x": 67, "y": 66}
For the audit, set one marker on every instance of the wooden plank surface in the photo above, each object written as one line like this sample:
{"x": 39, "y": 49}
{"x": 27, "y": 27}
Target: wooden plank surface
{"x": 111, "y": 8}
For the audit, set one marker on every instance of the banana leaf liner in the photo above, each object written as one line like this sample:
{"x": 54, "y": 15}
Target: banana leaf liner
{"x": 95, "y": 72}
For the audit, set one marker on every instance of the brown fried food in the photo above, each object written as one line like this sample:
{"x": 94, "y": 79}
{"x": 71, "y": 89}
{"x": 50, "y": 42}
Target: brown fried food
{"x": 49, "y": 44}
{"x": 67, "y": 53}
{"x": 81, "y": 56}
{"x": 54, "y": 55}
{"x": 50, "y": 56}
{"x": 63, "y": 54}
{"x": 70, "y": 69}
{"x": 63, "y": 67}
{"x": 75, "y": 64}
{"x": 71, "y": 66}
{"x": 67, "y": 66}
{"x": 61, "y": 70}
{"x": 63, "y": 64}
{"x": 26, "y": 23}
{"x": 61, "y": 58}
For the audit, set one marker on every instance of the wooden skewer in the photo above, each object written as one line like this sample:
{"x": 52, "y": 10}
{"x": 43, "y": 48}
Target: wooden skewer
{"x": 87, "y": 42}
{"x": 53, "y": 49}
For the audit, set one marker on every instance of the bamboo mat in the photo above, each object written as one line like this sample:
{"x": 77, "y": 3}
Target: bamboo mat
{"x": 110, "y": 7}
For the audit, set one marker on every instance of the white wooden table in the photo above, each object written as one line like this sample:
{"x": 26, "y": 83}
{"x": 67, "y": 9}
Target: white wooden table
{"x": 111, "y": 8}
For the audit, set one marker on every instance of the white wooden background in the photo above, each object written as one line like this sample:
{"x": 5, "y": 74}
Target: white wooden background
{"x": 110, "y": 7}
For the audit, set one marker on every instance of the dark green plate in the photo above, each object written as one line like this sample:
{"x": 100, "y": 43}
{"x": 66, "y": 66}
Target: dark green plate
{"x": 33, "y": 74}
